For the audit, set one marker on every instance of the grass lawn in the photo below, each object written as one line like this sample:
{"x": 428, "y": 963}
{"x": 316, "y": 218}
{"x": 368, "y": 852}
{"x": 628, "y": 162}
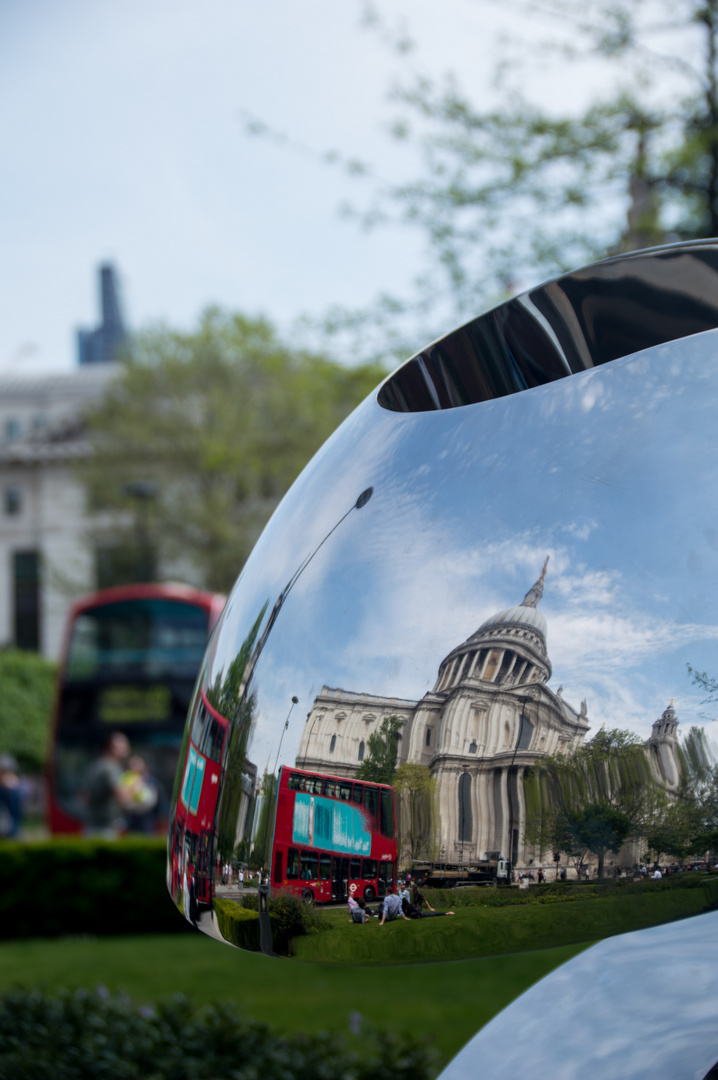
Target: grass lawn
{"x": 492, "y": 931}
{"x": 448, "y": 1002}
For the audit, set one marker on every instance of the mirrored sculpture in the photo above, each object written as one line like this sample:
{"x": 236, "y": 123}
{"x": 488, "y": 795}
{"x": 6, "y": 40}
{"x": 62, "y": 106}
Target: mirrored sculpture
{"x": 502, "y": 558}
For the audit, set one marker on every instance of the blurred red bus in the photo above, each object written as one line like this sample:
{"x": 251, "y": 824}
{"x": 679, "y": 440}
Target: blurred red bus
{"x": 130, "y": 661}
{"x": 333, "y": 837}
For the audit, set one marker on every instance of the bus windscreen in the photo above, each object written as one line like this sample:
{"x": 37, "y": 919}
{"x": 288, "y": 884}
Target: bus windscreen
{"x": 154, "y": 638}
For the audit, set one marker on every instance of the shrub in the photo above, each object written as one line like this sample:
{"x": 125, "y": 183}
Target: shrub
{"x": 28, "y": 684}
{"x": 82, "y": 1035}
{"x": 238, "y": 925}
{"x": 289, "y": 917}
{"x": 79, "y": 886}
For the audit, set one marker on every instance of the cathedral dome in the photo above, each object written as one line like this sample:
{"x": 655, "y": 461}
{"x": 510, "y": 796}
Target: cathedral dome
{"x": 508, "y": 649}
{"x": 526, "y": 616}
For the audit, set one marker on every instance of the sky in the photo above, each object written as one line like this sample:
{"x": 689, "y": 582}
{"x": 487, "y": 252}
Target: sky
{"x": 610, "y": 472}
{"x": 123, "y": 140}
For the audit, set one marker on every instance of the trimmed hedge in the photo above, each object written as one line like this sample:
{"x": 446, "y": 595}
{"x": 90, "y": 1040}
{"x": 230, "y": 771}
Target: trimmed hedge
{"x": 489, "y": 930}
{"x": 560, "y": 891}
{"x": 84, "y": 1035}
{"x": 80, "y": 886}
{"x": 237, "y": 925}
{"x": 288, "y": 917}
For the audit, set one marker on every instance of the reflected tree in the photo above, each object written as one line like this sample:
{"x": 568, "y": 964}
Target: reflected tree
{"x": 594, "y": 799}
{"x": 228, "y": 696}
{"x": 417, "y": 811}
{"x": 379, "y": 765}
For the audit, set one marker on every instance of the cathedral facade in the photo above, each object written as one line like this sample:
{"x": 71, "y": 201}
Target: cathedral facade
{"x": 489, "y": 717}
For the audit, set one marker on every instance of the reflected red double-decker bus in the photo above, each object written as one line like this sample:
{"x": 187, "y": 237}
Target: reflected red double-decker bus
{"x": 333, "y": 837}
{"x": 192, "y": 831}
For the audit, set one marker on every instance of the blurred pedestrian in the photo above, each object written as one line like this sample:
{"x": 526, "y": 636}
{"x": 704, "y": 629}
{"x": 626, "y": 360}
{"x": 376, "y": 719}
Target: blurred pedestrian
{"x": 140, "y": 796}
{"x": 102, "y": 790}
{"x": 10, "y": 800}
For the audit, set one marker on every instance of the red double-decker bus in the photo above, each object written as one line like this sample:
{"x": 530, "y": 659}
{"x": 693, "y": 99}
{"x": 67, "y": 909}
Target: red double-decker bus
{"x": 333, "y": 837}
{"x": 191, "y": 840}
{"x": 130, "y": 661}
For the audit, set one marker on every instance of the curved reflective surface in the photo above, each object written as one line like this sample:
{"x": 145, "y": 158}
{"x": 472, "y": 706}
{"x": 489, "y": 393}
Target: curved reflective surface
{"x": 475, "y": 590}
{"x": 641, "y": 1005}
{"x": 579, "y": 321}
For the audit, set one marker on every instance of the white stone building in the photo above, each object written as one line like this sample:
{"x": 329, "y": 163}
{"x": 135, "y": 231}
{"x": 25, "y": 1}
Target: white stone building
{"x": 47, "y": 556}
{"x": 489, "y": 717}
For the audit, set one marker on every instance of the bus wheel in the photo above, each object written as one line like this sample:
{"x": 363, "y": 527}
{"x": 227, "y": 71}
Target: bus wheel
{"x": 369, "y": 894}
{"x": 308, "y": 897}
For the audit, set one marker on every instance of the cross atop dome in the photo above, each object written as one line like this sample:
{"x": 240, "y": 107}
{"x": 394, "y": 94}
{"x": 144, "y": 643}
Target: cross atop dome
{"x": 536, "y": 591}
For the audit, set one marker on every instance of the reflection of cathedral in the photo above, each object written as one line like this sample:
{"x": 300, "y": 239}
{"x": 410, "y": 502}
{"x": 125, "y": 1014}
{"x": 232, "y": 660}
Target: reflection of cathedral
{"x": 488, "y": 718}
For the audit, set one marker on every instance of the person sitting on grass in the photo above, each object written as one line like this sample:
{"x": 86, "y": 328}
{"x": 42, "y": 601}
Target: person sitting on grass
{"x": 357, "y": 910}
{"x": 418, "y": 899}
{"x": 411, "y": 912}
{"x": 391, "y": 908}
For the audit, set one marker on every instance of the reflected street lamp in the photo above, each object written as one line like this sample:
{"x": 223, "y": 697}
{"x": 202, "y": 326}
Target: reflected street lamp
{"x": 360, "y": 503}
{"x": 265, "y": 930}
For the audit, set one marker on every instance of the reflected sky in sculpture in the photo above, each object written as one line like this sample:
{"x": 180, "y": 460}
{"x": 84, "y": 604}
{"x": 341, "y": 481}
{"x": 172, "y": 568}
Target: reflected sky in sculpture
{"x": 612, "y": 472}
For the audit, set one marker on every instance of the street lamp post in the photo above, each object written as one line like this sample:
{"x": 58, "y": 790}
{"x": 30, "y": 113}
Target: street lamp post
{"x": 280, "y": 601}
{"x": 265, "y": 930}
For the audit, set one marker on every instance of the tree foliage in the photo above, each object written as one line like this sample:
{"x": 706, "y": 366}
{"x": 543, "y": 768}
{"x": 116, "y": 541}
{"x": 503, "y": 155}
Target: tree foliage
{"x": 214, "y": 426}
{"x": 28, "y": 685}
{"x": 379, "y": 765}
{"x": 512, "y": 189}
{"x": 520, "y": 191}
{"x": 602, "y": 794}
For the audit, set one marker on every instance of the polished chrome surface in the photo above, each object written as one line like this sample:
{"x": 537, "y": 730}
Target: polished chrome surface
{"x": 640, "y": 1006}
{"x": 414, "y": 548}
{"x": 581, "y": 320}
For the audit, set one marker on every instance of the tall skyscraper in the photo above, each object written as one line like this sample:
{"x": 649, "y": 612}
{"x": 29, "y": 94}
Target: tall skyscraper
{"x": 102, "y": 345}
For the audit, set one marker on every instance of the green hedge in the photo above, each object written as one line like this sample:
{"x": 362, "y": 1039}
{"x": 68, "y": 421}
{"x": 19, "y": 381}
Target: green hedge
{"x": 83, "y": 1036}
{"x": 480, "y": 896}
{"x": 78, "y": 886}
{"x": 289, "y": 919}
{"x": 238, "y": 925}
{"x": 487, "y": 930}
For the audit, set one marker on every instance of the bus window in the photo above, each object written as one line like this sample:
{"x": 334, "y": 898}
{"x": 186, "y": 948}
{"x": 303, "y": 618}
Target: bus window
{"x": 292, "y": 863}
{"x": 355, "y": 869}
{"x": 277, "y": 868}
{"x": 368, "y": 870}
{"x": 358, "y": 795}
{"x": 295, "y": 782}
{"x": 215, "y": 749}
{"x": 314, "y": 784}
{"x": 329, "y": 786}
{"x": 198, "y": 725}
{"x": 325, "y": 867}
{"x": 344, "y": 791}
{"x": 387, "y": 812}
{"x": 310, "y": 866}
{"x": 371, "y": 802}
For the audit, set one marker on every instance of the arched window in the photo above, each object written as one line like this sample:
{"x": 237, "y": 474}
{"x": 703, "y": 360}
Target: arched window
{"x": 466, "y": 825}
{"x": 527, "y": 730}
{"x": 473, "y": 748}
{"x": 332, "y": 744}
{"x": 361, "y": 750}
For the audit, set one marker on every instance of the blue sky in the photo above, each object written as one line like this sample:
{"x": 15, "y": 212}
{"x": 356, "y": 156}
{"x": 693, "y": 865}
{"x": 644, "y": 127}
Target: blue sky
{"x": 611, "y": 472}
